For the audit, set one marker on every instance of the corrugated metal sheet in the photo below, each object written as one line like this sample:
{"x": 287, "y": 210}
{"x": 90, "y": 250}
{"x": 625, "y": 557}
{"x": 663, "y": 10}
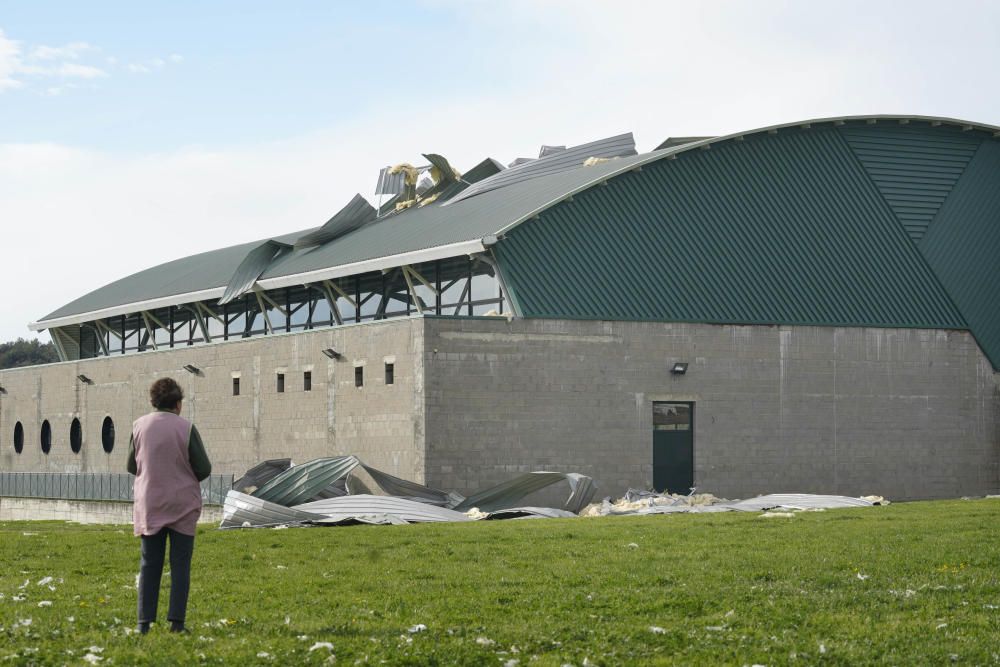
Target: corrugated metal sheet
{"x": 913, "y": 166}
{"x": 783, "y": 228}
{"x": 410, "y": 511}
{"x": 240, "y": 510}
{"x": 622, "y": 145}
{"x": 389, "y": 184}
{"x": 356, "y": 213}
{"x": 962, "y": 244}
{"x": 506, "y": 494}
{"x": 304, "y": 482}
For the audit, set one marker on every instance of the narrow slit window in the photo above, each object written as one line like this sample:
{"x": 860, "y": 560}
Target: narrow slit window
{"x": 390, "y": 373}
{"x": 307, "y": 381}
{"x": 236, "y": 386}
{"x": 281, "y": 383}
{"x": 359, "y": 376}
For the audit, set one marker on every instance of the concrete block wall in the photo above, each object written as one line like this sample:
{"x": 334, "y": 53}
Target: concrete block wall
{"x": 899, "y": 412}
{"x": 381, "y": 424}
{"x": 82, "y": 511}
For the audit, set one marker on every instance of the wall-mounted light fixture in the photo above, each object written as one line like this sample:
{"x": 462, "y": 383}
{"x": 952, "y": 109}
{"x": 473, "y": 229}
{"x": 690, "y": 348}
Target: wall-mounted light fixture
{"x": 679, "y": 368}
{"x": 84, "y": 379}
{"x": 2, "y": 390}
{"x": 192, "y": 369}
{"x": 332, "y": 353}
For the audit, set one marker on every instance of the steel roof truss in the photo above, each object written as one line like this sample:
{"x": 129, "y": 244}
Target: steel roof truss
{"x": 331, "y": 300}
{"x": 150, "y": 337}
{"x": 336, "y": 288}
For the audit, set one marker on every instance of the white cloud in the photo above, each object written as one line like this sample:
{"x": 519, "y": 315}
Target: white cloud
{"x": 153, "y": 64}
{"x": 74, "y": 70}
{"x": 44, "y": 62}
{"x": 10, "y": 62}
{"x": 71, "y": 51}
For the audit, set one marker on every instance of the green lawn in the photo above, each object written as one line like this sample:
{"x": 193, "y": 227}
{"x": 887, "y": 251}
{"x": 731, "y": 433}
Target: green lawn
{"x": 915, "y": 583}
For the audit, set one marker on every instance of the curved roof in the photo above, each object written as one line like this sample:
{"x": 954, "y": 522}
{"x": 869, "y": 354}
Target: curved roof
{"x": 887, "y": 221}
{"x": 914, "y": 193}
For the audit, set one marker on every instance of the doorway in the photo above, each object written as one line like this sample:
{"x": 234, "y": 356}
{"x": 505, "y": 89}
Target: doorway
{"x": 673, "y": 447}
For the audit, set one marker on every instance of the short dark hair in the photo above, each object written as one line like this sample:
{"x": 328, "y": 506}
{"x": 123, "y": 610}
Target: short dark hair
{"x": 165, "y": 394}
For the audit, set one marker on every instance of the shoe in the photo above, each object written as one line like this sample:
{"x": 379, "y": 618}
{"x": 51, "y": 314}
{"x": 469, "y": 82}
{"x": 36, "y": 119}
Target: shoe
{"x": 142, "y": 628}
{"x": 179, "y": 628}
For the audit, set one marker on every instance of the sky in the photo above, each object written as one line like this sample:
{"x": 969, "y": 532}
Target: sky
{"x": 135, "y": 133}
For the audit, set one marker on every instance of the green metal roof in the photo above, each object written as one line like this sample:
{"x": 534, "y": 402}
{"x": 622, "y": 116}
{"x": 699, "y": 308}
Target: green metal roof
{"x": 413, "y": 230}
{"x": 858, "y": 221}
{"x": 773, "y": 229}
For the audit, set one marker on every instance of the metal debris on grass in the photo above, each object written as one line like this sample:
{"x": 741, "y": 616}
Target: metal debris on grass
{"x": 325, "y": 492}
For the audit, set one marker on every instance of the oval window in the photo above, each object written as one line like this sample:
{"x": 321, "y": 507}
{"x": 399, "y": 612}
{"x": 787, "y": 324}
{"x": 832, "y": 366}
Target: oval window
{"x": 108, "y": 434}
{"x": 18, "y": 438}
{"x": 46, "y": 437}
{"x": 75, "y": 436}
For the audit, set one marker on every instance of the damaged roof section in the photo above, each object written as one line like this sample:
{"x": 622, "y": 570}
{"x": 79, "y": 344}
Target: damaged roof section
{"x": 356, "y": 213}
{"x": 554, "y": 161}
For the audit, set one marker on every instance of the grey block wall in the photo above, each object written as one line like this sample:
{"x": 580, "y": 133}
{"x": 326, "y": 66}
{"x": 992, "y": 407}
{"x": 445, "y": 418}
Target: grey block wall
{"x": 903, "y": 413}
{"x": 382, "y": 424}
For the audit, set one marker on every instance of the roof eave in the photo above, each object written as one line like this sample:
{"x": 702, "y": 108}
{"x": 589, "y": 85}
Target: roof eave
{"x": 328, "y": 273}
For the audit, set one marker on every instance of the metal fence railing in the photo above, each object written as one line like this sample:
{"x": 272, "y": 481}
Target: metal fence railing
{"x": 93, "y": 486}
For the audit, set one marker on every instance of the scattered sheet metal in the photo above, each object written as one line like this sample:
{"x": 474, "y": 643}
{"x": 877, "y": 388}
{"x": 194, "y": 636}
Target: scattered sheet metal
{"x": 798, "y": 501}
{"x": 409, "y": 511}
{"x": 506, "y": 494}
{"x": 645, "y": 502}
{"x": 319, "y": 492}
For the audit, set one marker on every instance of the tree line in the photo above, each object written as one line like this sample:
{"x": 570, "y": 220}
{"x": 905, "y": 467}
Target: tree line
{"x": 23, "y": 352}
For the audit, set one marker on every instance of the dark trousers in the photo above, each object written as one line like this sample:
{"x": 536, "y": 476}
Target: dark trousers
{"x": 154, "y": 549}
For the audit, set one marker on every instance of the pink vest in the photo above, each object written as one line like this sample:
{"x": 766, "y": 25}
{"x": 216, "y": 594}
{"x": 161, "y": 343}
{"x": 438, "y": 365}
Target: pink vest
{"x": 166, "y": 492}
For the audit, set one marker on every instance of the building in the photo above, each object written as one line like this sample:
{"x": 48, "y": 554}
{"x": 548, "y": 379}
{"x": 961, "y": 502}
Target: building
{"x": 811, "y": 307}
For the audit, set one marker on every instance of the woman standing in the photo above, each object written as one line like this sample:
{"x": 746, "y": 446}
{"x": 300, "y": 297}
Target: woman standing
{"x": 168, "y": 459}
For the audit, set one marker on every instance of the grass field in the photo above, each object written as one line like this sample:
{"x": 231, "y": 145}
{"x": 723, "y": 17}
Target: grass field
{"x": 915, "y": 583}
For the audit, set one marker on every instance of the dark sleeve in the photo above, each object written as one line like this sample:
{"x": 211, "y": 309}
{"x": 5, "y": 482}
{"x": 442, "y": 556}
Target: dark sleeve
{"x": 196, "y": 454}
{"x": 131, "y": 467}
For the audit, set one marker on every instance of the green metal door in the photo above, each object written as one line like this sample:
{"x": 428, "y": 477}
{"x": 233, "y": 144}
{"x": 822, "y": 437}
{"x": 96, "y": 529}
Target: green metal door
{"x": 673, "y": 447}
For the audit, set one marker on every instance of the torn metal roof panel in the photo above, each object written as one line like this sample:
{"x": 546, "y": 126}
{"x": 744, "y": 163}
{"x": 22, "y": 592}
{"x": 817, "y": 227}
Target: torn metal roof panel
{"x": 797, "y": 501}
{"x": 506, "y": 494}
{"x": 622, "y": 145}
{"x": 304, "y": 482}
{"x": 240, "y": 510}
{"x": 389, "y": 184}
{"x": 362, "y": 505}
{"x": 396, "y": 486}
{"x": 250, "y": 269}
{"x": 260, "y": 474}
{"x": 356, "y": 213}
{"x": 529, "y": 513}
